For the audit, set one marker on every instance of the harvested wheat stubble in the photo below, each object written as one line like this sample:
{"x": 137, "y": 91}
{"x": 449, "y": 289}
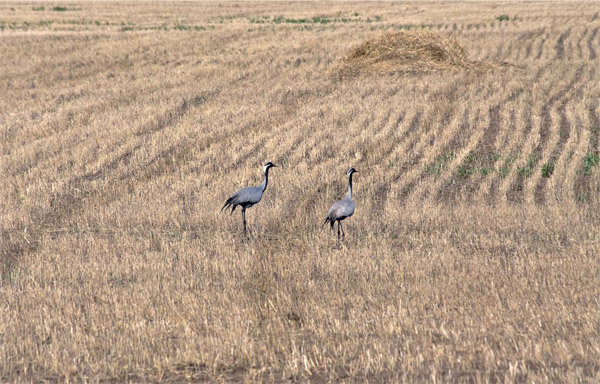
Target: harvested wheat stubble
{"x": 119, "y": 144}
{"x": 409, "y": 52}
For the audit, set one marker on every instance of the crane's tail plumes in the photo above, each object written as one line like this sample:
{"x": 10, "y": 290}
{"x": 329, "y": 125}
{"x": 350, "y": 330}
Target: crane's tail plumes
{"x": 227, "y": 204}
{"x": 328, "y": 220}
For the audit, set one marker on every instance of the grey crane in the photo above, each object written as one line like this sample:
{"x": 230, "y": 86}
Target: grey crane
{"x": 249, "y": 196}
{"x": 342, "y": 209}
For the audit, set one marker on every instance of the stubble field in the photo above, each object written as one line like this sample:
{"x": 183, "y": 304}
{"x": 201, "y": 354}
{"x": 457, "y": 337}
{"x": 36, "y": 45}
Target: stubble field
{"x": 473, "y": 252}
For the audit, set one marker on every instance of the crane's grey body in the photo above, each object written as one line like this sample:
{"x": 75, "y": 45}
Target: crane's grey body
{"x": 246, "y": 197}
{"x": 249, "y": 196}
{"x": 342, "y": 209}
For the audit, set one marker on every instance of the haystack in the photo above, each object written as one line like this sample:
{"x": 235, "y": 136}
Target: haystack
{"x": 407, "y": 51}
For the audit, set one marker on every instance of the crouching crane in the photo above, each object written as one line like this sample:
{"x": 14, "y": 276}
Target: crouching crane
{"x": 249, "y": 196}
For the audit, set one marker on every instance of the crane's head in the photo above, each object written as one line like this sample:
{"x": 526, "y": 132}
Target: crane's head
{"x": 351, "y": 171}
{"x": 269, "y": 165}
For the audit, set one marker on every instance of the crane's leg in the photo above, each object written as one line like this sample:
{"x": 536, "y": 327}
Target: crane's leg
{"x": 244, "y": 218}
{"x": 339, "y": 226}
{"x": 343, "y": 233}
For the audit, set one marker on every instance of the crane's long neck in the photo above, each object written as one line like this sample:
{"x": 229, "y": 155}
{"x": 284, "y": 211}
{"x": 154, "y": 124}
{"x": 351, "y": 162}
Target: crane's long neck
{"x": 349, "y": 194}
{"x": 266, "y": 181}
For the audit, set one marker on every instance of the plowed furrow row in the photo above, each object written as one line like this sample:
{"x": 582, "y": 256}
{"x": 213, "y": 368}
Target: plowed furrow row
{"x": 590, "y": 122}
{"x": 414, "y": 154}
{"x": 590, "y": 43}
{"x": 555, "y": 144}
{"x": 490, "y": 152}
{"x": 402, "y": 157}
{"x": 500, "y": 163}
{"x": 578, "y": 43}
{"x": 250, "y": 131}
{"x": 285, "y": 135}
{"x": 494, "y": 187}
{"x": 467, "y": 171}
{"x": 393, "y": 165}
{"x": 442, "y": 149}
{"x": 560, "y": 45}
{"x": 528, "y": 162}
{"x": 444, "y": 186}
{"x": 531, "y": 38}
{"x": 514, "y": 181}
{"x": 560, "y": 185}
{"x": 579, "y": 38}
{"x": 520, "y": 153}
{"x": 437, "y": 123}
{"x": 553, "y": 133}
{"x": 298, "y": 123}
{"x": 395, "y": 147}
{"x": 463, "y": 177}
{"x": 540, "y": 49}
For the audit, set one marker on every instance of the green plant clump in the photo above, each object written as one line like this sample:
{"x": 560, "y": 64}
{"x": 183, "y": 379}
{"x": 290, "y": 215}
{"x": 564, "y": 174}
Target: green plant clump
{"x": 527, "y": 170}
{"x": 589, "y": 161}
{"x": 548, "y": 168}
{"x": 440, "y": 163}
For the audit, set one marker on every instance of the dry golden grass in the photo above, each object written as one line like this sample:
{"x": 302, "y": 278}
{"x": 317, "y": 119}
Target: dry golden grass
{"x": 473, "y": 252}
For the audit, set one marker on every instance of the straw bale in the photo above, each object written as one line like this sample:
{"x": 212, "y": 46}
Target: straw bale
{"x": 407, "y": 52}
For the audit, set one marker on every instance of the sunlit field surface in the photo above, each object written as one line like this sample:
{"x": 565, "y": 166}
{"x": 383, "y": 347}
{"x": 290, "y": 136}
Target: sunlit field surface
{"x": 473, "y": 254}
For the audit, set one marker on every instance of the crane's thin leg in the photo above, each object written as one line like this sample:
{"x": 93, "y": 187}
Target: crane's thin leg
{"x": 339, "y": 226}
{"x": 343, "y": 233}
{"x": 244, "y": 218}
